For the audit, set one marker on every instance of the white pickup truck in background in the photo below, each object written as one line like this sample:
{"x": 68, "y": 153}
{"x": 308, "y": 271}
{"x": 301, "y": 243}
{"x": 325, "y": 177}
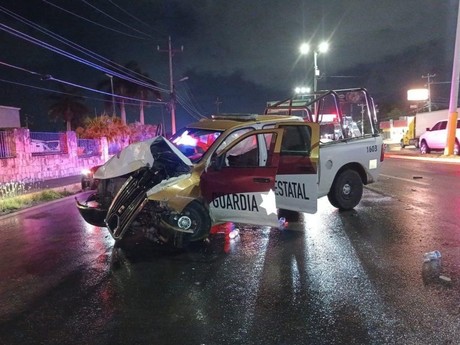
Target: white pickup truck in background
{"x": 435, "y": 138}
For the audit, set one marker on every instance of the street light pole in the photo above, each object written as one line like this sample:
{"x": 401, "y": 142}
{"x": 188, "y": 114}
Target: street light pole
{"x": 113, "y": 95}
{"x": 315, "y": 78}
{"x": 322, "y": 48}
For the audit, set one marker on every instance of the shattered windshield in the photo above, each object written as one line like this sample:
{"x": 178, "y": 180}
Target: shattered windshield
{"x": 194, "y": 142}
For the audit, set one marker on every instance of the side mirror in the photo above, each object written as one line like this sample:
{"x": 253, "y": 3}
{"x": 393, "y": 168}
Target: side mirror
{"x": 428, "y": 129}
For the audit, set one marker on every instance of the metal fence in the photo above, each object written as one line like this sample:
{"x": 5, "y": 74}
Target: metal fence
{"x": 46, "y": 143}
{"x": 7, "y": 145}
{"x": 88, "y": 147}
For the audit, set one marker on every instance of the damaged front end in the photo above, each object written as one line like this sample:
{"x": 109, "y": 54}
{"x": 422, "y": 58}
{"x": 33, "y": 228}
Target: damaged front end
{"x": 125, "y": 199}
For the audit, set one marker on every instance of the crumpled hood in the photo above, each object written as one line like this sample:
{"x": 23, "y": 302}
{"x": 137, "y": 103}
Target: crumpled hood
{"x": 134, "y": 157}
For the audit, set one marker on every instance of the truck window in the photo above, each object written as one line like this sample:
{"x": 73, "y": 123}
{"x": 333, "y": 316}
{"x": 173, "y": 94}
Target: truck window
{"x": 296, "y": 140}
{"x": 231, "y": 138}
{"x": 244, "y": 154}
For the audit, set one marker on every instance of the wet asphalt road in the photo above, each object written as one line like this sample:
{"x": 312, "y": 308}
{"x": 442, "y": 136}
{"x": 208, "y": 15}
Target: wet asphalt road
{"x": 331, "y": 278}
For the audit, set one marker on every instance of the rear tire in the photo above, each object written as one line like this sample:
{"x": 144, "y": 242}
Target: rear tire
{"x": 456, "y": 148}
{"x": 346, "y": 191}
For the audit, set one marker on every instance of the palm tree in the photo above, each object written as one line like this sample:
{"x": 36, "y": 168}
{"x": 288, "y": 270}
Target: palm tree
{"x": 68, "y": 106}
{"x": 125, "y": 88}
{"x": 141, "y": 92}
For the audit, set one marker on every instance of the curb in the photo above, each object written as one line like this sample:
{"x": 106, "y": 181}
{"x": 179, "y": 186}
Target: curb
{"x": 451, "y": 160}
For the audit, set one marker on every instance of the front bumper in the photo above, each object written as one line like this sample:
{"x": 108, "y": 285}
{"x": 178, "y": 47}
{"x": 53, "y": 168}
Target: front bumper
{"x": 92, "y": 213}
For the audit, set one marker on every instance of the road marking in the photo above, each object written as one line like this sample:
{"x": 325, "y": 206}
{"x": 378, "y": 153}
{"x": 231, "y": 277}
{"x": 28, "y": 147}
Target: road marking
{"x": 406, "y": 179}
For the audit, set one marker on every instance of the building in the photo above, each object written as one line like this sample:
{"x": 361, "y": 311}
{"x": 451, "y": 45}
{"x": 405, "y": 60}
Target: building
{"x": 9, "y": 117}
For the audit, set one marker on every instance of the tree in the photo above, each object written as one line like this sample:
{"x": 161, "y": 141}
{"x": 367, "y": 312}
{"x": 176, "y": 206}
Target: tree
{"x": 111, "y": 127}
{"x": 107, "y": 126}
{"x": 141, "y": 92}
{"x": 68, "y": 106}
{"x": 125, "y": 88}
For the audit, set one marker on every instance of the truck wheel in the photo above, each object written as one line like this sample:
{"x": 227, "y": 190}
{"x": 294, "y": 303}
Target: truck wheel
{"x": 194, "y": 217}
{"x": 346, "y": 191}
{"x": 424, "y": 149}
{"x": 402, "y": 144}
{"x": 456, "y": 148}
{"x": 200, "y": 221}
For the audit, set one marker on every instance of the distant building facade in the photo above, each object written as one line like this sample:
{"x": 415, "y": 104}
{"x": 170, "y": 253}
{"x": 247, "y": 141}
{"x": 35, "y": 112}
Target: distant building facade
{"x": 9, "y": 117}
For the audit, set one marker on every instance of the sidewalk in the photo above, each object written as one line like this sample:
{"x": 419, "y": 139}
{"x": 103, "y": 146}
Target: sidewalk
{"x": 395, "y": 151}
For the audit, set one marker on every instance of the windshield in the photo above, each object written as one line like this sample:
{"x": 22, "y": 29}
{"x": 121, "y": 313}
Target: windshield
{"x": 194, "y": 142}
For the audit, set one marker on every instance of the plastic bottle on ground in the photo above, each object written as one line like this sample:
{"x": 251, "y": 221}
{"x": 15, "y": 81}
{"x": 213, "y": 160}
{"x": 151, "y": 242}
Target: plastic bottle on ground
{"x": 432, "y": 256}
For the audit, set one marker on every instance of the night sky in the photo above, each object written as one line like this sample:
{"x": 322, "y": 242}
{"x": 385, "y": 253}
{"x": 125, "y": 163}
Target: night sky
{"x": 241, "y": 52}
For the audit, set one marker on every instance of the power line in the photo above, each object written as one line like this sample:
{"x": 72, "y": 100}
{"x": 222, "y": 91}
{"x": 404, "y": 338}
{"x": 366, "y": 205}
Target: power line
{"x": 49, "y": 77}
{"x": 116, "y": 20}
{"x": 77, "y": 47}
{"x": 74, "y": 57}
{"x": 95, "y": 23}
{"x": 135, "y": 18}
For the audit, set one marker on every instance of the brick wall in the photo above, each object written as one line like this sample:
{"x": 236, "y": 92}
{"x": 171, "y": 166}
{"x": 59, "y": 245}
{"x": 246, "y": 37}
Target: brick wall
{"x": 25, "y": 166}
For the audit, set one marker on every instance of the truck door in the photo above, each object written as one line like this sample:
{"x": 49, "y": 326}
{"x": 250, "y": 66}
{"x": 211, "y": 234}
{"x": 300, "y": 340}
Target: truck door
{"x": 296, "y": 186}
{"x": 239, "y": 183}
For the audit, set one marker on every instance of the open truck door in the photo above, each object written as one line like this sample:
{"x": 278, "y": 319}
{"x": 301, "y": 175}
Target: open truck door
{"x": 297, "y": 177}
{"x": 239, "y": 183}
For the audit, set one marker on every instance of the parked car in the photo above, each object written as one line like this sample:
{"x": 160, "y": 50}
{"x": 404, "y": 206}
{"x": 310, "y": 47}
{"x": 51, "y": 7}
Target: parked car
{"x": 87, "y": 178}
{"x": 436, "y": 138}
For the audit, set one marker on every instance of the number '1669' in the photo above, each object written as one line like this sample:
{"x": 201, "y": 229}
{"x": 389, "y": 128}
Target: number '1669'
{"x": 372, "y": 148}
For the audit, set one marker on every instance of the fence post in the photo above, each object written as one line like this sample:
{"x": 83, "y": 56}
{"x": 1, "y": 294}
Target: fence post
{"x": 104, "y": 149}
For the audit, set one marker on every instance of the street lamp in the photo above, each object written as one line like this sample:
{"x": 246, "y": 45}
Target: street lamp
{"x": 113, "y": 95}
{"x": 323, "y": 47}
{"x": 302, "y": 90}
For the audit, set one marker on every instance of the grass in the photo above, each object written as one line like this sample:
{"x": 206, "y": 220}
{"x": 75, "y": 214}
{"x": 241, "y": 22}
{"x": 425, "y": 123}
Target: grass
{"x": 15, "y": 203}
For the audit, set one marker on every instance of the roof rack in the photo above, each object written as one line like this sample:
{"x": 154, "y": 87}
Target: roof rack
{"x": 237, "y": 117}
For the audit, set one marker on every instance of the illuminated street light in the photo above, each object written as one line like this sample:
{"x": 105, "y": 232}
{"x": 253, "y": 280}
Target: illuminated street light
{"x": 302, "y": 90}
{"x": 323, "y": 47}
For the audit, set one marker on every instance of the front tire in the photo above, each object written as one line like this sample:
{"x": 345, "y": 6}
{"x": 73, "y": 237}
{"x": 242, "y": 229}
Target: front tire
{"x": 346, "y": 190}
{"x": 194, "y": 217}
{"x": 424, "y": 149}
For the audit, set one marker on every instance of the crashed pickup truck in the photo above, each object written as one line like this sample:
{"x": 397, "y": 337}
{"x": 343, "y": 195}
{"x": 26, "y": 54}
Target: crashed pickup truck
{"x": 241, "y": 168}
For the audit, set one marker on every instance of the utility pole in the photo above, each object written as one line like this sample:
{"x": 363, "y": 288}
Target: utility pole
{"x": 453, "y": 103}
{"x": 428, "y": 78}
{"x": 172, "y": 100}
{"x": 113, "y": 95}
{"x": 218, "y": 103}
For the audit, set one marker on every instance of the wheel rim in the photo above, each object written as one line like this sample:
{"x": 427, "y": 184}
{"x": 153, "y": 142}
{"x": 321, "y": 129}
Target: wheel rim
{"x": 346, "y": 190}
{"x": 423, "y": 148}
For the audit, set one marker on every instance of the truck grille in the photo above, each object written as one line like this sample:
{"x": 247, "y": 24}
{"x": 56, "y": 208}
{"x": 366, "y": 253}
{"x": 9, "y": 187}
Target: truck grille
{"x": 126, "y": 205}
